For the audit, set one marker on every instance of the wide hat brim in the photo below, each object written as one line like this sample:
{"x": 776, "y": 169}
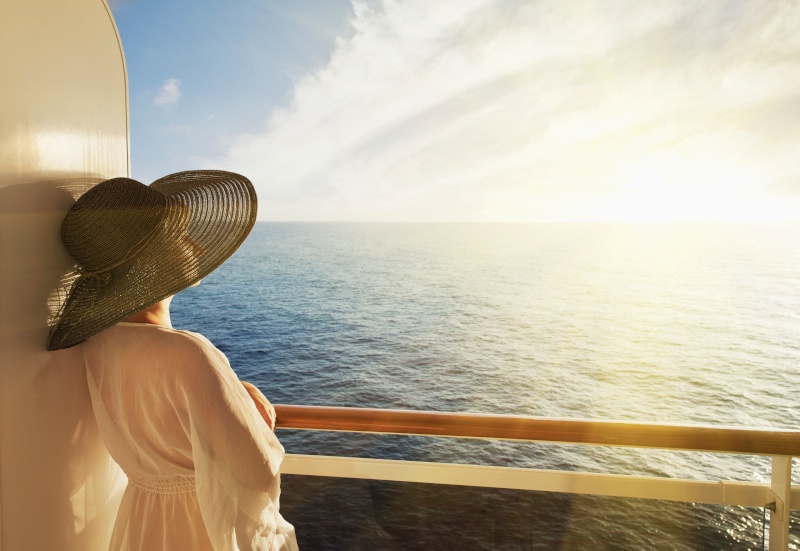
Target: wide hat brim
{"x": 206, "y": 216}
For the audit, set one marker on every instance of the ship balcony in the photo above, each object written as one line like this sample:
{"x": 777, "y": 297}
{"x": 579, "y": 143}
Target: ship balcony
{"x": 777, "y": 496}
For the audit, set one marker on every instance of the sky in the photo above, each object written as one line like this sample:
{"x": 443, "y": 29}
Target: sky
{"x": 474, "y": 110}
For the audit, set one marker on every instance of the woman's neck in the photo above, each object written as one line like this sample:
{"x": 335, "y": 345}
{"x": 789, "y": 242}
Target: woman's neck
{"x": 157, "y": 314}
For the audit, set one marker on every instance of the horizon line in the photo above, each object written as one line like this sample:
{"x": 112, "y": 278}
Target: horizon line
{"x": 531, "y": 222}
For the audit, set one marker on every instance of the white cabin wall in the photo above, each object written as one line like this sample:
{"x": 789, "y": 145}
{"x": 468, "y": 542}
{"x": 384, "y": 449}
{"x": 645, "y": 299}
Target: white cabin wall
{"x": 63, "y": 128}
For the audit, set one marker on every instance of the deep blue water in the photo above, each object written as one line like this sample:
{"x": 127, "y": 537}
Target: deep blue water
{"x": 669, "y": 323}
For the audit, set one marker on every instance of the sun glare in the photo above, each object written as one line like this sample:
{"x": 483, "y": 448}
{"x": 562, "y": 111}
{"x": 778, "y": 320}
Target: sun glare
{"x": 658, "y": 192}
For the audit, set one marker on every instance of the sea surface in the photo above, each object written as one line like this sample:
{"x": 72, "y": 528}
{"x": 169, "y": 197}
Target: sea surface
{"x": 676, "y": 323}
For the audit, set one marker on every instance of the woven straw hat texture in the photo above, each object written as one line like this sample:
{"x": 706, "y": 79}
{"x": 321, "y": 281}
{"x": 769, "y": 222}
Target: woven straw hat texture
{"x": 135, "y": 245}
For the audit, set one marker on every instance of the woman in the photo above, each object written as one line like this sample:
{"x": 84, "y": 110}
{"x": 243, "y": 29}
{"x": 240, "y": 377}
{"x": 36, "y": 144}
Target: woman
{"x": 196, "y": 444}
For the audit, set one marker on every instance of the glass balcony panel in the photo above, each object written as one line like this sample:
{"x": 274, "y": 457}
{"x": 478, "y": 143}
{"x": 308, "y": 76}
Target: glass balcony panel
{"x": 355, "y": 514}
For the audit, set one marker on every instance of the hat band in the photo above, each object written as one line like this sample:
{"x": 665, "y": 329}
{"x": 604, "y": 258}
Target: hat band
{"x": 102, "y": 276}
{"x": 98, "y": 277}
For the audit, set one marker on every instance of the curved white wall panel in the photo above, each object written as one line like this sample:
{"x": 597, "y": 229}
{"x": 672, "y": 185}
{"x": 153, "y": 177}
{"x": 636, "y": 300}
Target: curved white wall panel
{"x": 63, "y": 128}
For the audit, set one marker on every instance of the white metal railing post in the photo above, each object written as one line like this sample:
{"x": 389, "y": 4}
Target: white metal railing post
{"x": 781, "y": 486}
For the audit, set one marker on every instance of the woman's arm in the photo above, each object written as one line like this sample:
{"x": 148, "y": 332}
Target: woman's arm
{"x": 262, "y": 404}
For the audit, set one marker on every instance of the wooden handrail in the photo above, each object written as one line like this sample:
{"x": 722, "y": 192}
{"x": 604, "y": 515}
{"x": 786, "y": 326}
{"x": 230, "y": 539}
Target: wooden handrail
{"x": 568, "y": 431}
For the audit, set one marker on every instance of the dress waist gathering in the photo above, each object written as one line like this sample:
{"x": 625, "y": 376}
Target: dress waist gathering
{"x": 167, "y": 485}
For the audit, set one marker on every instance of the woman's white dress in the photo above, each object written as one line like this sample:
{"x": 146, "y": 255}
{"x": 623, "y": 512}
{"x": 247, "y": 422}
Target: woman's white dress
{"x": 202, "y": 464}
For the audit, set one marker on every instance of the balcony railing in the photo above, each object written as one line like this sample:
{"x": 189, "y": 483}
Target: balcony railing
{"x": 779, "y": 496}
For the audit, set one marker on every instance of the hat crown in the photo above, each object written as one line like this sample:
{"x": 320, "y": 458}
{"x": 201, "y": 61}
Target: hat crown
{"x": 110, "y": 221}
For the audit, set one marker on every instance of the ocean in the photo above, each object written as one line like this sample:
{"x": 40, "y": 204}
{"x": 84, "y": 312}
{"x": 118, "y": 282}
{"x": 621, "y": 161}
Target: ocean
{"x": 677, "y": 323}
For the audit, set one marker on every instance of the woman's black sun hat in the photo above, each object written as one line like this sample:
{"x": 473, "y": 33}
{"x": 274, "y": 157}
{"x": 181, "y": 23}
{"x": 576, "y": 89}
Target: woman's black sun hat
{"x": 135, "y": 245}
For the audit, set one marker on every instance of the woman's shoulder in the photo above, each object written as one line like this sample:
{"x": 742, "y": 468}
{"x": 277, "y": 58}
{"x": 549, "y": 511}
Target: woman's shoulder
{"x": 177, "y": 363}
{"x": 169, "y": 341}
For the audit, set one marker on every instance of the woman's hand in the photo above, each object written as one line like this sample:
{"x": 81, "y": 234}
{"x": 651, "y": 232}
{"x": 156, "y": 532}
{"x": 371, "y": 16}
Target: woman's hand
{"x": 262, "y": 404}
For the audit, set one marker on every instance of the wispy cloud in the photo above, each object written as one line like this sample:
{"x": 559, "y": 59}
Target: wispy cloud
{"x": 489, "y": 110}
{"x": 169, "y": 93}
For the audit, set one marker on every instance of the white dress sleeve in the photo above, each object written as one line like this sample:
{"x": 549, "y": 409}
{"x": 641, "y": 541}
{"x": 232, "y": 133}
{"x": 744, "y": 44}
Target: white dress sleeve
{"x": 236, "y": 456}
